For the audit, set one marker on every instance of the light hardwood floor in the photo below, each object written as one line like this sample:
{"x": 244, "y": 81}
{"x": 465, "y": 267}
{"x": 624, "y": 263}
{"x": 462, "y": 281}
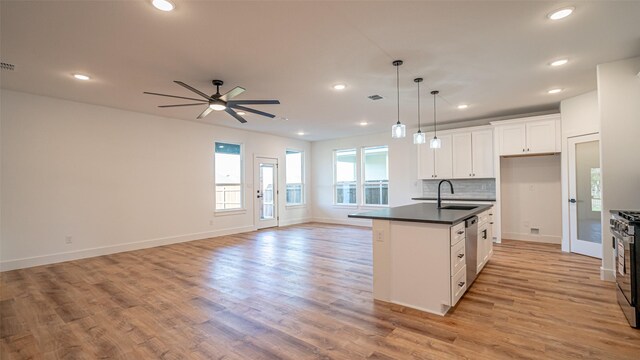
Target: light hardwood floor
{"x": 304, "y": 292}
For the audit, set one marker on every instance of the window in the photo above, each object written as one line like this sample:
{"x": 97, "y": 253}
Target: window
{"x": 376, "y": 175}
{"x": 294, "y": 177}
{"x": 228, "y": 177}
{"x": 345, "y": 180}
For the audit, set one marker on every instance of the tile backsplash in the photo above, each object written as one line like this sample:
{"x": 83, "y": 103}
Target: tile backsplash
{"x": 464, "y": 189}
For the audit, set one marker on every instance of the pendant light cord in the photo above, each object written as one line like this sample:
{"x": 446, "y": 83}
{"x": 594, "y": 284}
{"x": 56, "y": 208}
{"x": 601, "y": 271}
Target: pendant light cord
{"x": 435, "y": 130}
{"x": 398, "y": 89}
{"x": 419, "y": 129}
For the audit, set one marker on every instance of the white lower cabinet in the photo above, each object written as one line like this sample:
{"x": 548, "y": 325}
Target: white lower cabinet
{"x": 485, "y": 239}
{"x": 458, "y": 285}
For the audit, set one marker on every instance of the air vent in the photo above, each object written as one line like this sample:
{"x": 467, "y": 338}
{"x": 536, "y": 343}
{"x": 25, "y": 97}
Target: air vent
{"x": 375, "y": 97}
{"x": 7, "y": 66}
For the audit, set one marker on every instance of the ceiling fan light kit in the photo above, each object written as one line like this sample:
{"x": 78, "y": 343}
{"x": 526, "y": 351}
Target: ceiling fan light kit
{"x": 398, "y": 130}
{"x": 220, "y": 102}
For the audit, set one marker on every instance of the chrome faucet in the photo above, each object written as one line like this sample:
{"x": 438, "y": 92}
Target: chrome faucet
{"x": 439, "y": 186}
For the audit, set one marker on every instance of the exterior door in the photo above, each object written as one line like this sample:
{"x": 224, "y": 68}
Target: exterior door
{"x": 266, "y": 192}
{"x": 585, "y": 200}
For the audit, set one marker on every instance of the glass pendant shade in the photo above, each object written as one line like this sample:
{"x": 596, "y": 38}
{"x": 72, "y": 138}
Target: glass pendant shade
{"x": 398, "y": 131}
{"x": 419, "y": 138}
{"x": 435, "y": 143}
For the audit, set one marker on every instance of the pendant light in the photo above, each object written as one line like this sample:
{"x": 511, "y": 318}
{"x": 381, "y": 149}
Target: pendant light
{"x": 435, "y": 143}
{"x": 419, "y": 137}
{"x": 398, "y": 130}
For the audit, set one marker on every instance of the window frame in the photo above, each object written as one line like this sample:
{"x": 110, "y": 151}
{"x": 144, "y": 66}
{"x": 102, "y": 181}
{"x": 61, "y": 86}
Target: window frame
{"x": 363, "y": 177}
{"x": 303, "y": 196}
{"x": 242, "y": 208}
{"x": 336, "y": 183}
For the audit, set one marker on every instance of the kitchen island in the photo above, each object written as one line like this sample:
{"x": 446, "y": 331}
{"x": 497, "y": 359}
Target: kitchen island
{"x": 424, "y": 257}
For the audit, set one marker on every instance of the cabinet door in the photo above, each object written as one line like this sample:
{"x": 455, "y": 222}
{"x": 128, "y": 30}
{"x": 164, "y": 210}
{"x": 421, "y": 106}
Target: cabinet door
{"x": 444, "y": 158}
{"x": 488, "y": 251}
{"x": 426, "y": 163}
{"x": 512, "y": 139}
{"x": 462, "y": 168}
{"x": 541, "y": 136}
{"x": 482, "y": 153}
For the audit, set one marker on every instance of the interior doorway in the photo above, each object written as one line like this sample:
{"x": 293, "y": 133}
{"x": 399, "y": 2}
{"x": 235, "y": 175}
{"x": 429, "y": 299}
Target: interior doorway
{"x": 585, "y": 200}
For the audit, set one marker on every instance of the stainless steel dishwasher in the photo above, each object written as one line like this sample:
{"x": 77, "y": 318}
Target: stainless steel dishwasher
{"x": 471, "y": 248}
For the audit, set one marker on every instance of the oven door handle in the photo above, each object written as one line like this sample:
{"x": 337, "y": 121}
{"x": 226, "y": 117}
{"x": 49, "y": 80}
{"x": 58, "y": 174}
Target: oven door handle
{"x": 628, "y": 239}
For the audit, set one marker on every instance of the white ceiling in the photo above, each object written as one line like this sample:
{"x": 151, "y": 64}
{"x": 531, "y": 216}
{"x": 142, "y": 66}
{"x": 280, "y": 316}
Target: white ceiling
{"x": 492, "y": 55}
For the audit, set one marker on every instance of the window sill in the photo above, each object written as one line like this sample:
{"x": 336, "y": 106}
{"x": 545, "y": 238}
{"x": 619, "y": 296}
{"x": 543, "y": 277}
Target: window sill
{"x": 295, "y": 206}
{"x": 354, "y": 206}
{"x": 373, "y": 207}
{"x": 230, "y": 212}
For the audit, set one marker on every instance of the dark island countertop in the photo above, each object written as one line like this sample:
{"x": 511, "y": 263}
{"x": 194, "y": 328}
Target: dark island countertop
{"x": 453, "y": 199}
{"x": 424, "y": 213}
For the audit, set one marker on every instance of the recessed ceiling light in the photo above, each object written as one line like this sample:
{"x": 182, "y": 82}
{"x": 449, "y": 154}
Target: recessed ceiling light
{"x": 82, "y": 77}
{"x": 561, "y": 14}
{"x": 241, "y": 113}
{"x": 463, "y": 106}
{"x": 339, "y": 86}
{"x": 301, "y": 133}
{"x": 554, "y": 91}
{"x": 363, "y": 123}
{"x": 559, "y": 62}
{"x": 164, "y": 5}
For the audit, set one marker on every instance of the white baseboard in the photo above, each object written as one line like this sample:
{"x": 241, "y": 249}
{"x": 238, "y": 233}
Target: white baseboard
{"x": 344, "y": 221}
{"x": 607, "y": 274}
{"x": 112, "y": 249}
{"x": 294, "y": 221}
{"x": 550, "y": 239}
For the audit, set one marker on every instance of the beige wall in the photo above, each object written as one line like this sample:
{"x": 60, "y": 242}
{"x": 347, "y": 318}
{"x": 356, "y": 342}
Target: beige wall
{"x": 531, "y": 193}
{"x": 115, "y": 180}
{"x": 619, "y": 100}
{"x": 403, "y": 175}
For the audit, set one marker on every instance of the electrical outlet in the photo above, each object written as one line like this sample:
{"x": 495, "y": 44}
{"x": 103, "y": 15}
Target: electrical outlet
{"x": 68, "y": 239}
{"x": 379, "y": 235}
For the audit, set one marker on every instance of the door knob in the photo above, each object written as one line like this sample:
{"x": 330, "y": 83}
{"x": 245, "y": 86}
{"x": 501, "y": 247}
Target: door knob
{"x": 573, "y": 201}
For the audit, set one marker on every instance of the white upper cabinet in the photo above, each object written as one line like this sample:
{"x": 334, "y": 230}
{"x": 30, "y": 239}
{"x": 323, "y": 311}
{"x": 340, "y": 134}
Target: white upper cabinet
{"x": 535, "y": 135}
{"x": 473, "y": 154}
{"x": 482, "y": 153}
{"x": 541, "y": 136}
{"x": 513, "y": 139}
{"x": 435, "y": 163}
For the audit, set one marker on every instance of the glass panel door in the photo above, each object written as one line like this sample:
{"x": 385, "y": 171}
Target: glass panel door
{"x": 266, "y": 191}
{"x": 585, "y": 200}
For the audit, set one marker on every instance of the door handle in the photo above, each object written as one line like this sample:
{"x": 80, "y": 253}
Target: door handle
{"x": 573, "y": 201}
{"x": 460, "y": 256}
{"x": 461, "y": 284}
{"x": 259, "y": 196}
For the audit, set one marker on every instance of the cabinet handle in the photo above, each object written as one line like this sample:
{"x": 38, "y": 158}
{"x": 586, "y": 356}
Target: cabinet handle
{"x": 460, "y": 232}
{"x": 491, "y": 223}
{"x": 469, "y": 174}
{"x": 523, "y": 150}
{"x": 460, "y": 256}
{"x": 527, "y": 149}
{"x": 461, "y": 284}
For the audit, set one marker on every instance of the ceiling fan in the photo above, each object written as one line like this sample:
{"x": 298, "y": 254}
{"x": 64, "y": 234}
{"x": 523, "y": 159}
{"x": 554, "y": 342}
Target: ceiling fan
{"x": 219, "y": 102}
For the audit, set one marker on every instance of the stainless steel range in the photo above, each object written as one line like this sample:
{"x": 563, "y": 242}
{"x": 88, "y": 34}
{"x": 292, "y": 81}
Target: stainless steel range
{"x": 625, "y": 228}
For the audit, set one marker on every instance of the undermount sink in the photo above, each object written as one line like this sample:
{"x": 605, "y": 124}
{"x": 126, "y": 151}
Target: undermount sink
{"x": 458, "y": 207}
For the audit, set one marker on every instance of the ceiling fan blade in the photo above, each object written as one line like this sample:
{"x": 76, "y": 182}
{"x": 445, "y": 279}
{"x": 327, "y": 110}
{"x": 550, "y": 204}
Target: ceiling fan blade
{"x": 193, "y": 89}
{"x": 205, "y": 112}
{"x": 254, "y": 102}
{"x": 242, "y": 108}
{"x": 232, "y": 93}
{"x": 235, "y": 115}
{"x": 174, "y": 96}
{"x": 167, "y": 106}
